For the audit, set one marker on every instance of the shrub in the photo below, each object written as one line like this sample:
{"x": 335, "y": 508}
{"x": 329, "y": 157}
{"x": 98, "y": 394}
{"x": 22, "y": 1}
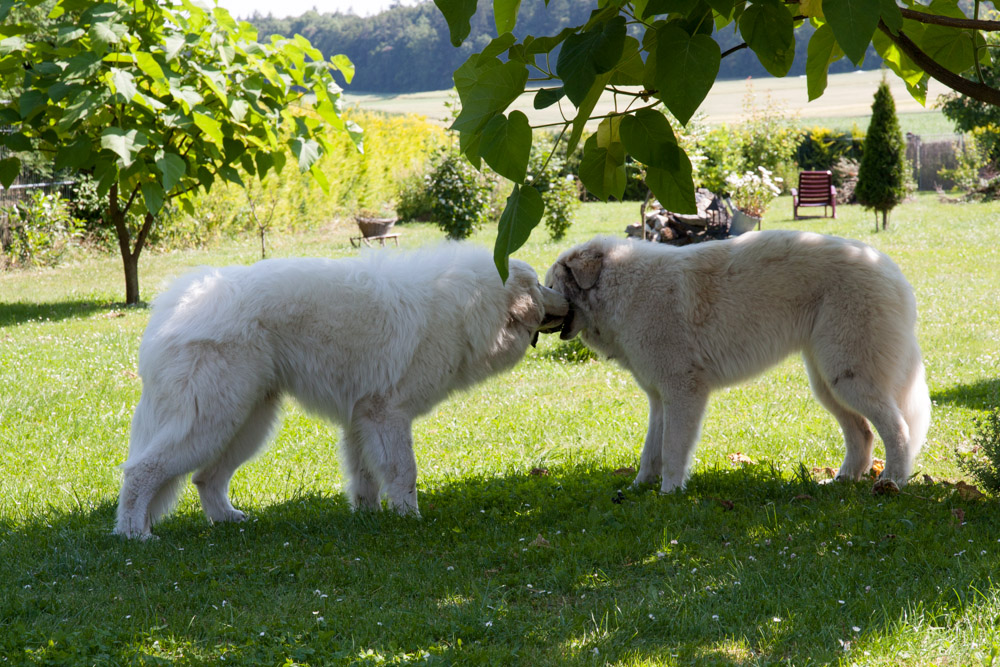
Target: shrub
{"x": 983, "y": 463}
{"x": 559, "y": 190}
{"x": 820, "y": 149}
{"x": 39, "y": 230}
{"x": 752, "y": 192}
{"x": 882, "y": 174}
{"x": 461, "y": 195}
{"x": 721, "y": 154}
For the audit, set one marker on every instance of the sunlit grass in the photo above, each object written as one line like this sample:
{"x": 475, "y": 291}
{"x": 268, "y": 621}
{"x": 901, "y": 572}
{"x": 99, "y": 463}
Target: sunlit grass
{"x": 523, "y": 555}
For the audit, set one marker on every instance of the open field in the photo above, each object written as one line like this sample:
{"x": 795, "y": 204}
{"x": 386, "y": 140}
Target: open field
{"x": 524, "y": 554}
{"x": 847, "y": 96}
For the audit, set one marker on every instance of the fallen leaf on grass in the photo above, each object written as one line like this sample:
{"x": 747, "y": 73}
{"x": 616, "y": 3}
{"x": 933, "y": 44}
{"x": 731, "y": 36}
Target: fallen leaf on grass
{"x": 627, "y": 470}
{"x": 726, "y": 504}
{"x": 541, "y": 542}
{"x": 878, "y": 465}
{"x": 885, "y": 487}
{"x": 540, "y": 472}
{"x": 826, "y": 472}
{"x": 803, "y": 496}
{"x": 928, "y": 479}
{"x": 968, "y": 491}
{"x": 739, "y": 457}
{"x": 959, "y": 515}
{"x": 112, "y": 314}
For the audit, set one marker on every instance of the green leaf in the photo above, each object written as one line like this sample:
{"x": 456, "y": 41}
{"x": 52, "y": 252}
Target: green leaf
{"x": 344, "y": 64}
{"x": 630, "y": 68}
{"x": 546, "y": 97}
{"x": 17, "y": 141}
{"x": 124, "y": 144}
{"x": 648, "y": 137}
{"x": 602, "y": 169}
{"x": 152, "y": 195}
{"x": 506, "y": 145}
{"x": 74, "y": 155}
{"x": 173, "y": 167}
{"x": 521, "y": 214}
{"x": 457, "y": 14}
{"x": 853, "y": 22}
{"x": 497, "y": 46}
{"x": 320, "y": 178}
{"x": 673, "y": 188}
{"x": 211, "y": 127}
{"x": 10, "y": 168}
{"x": 769, "y": 32}
{"x": 147, "y": 63}
{"x": 585, "y": 109}
{"x": 306, "y": 150}
{"x": 106, "y": 32}
{"x": 123, "y": 83}
{"x": 891, "y": 16}
{"x": 587, "y": 54}
{"x": 505, "y": 14}
{"x": 173, "y": 45}
{"x": 685, "y": 69}
{"x": 484, "y": 93}
{"x": 821, "y": 52}
{"x": 951, "y": 48}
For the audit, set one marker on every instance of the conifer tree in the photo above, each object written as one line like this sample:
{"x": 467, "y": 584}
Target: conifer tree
{"x": 882, "y": 174}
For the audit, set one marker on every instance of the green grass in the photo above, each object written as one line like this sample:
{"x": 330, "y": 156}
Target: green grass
{"x": 924, "y": 123}
{"x": 757, "y": 564}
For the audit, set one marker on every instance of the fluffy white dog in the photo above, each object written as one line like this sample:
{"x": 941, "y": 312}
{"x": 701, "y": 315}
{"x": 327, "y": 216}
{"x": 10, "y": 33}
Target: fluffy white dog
{"x": 370, "y": 343}
{"x": 688, "y": 320}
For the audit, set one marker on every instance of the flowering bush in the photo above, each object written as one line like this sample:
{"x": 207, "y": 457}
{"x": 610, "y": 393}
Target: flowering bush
{"x": 752, "y": 192}
{"x": 460, "y": 195}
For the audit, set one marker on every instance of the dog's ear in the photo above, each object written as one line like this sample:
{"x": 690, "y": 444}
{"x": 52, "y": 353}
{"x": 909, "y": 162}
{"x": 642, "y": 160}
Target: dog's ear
{"x": 585, "y": 266}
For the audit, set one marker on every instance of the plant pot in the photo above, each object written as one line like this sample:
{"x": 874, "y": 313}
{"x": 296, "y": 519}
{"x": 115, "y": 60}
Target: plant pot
{"x": 374, "y": 226}
{"x": 742, "y": 223}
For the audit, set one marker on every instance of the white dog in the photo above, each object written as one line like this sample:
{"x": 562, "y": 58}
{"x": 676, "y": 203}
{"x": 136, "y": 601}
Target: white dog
{"x": 688, "y": 320}
{"x": 370, "y": 343}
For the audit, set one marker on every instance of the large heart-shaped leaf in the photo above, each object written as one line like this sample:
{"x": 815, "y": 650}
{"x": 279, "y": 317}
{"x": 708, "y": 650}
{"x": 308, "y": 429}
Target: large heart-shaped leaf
{"x": 9, "y": 169}
{"x": 853, "y": 23}
{"x": 673, "y": 188}
{"x": 769, "y": 32}
{"x": 685, "y": 69}
{"x": 522, "y": 214}
{"x": 820, "y": 54}
{"x": 485, "y": 92}
{"x": 602, "y": 169}
{"x": 457, "y": 14}
{"x": 648, "y": 137}
{"x": 124, "y": 144}
{"x": 173, "y": 168}
{"x": 588, "y": 54}
{"x": 506, "y": 145}
{"x": 505, "y": 14}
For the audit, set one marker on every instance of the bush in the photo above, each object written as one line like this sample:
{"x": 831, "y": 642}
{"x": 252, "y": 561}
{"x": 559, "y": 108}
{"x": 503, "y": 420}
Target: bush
{"x": 414, "y": 201}
{"x": 820, "y": 149}
{"x": 983, "y": 463}
{"x": 38, "y": 230}
{"x": 559, "y": 190}
{"x": 461, "y": 195}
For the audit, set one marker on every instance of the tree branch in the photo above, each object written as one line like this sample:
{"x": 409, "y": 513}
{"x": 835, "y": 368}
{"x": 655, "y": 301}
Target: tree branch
{"x": 736, "y": 48}
{"x": 959, "y": 84}
{"x": 951, "y": 22}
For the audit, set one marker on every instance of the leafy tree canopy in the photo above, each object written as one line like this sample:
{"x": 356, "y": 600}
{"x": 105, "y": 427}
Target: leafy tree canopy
{"x": 665, "y": 55}
{"x": 158, "y": 99}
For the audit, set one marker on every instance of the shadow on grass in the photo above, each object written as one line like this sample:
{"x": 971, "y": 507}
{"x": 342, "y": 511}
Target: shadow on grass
{"x": 12, "y": 314}
{"x": 982, "y": 395}
{"x": 570, "y": 566}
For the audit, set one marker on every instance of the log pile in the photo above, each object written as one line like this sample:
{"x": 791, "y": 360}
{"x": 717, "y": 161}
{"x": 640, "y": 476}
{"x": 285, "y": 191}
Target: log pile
{"x": 659, "y": 225}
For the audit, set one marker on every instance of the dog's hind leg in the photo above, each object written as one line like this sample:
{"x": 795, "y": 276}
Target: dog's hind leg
{"x": 212, "y": 481}
{"x": 650, "y": 462}
{"x": 682, "y": 417}
{"x": 858, "y": 437}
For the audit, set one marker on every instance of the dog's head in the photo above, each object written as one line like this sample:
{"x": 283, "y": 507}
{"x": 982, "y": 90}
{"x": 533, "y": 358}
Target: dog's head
{"x": 574, "y": 275}
{"x": 533, "y": 306}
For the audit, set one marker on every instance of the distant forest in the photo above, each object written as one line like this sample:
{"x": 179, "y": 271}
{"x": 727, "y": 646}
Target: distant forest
{"x": 406, "y": 49}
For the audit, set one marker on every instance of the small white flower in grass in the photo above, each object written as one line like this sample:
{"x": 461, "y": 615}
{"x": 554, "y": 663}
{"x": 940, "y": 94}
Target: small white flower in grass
{"x": 652, "y": 618}
{"x": 595, "y": 651}
{"x": 983, "y": 552}
{"x": 840, "y": 601}
{"x": 261, "y": 634}
{"x": 855, "y": 628}
{"x": 379, "y": 623}
{"x": 776, "y": 619}
{"x": 323, "y": 620}
{"x": 715, "y": 617}
{"x": 489, "y": 624}
{"x": 673, "y": 541}
{"x": 451, "y": 567}
{"x": 286, "y": 544}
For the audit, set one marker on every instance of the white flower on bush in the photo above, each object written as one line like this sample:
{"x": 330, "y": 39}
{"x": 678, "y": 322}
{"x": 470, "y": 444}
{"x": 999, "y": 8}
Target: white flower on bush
{"x": 752, "y": 192}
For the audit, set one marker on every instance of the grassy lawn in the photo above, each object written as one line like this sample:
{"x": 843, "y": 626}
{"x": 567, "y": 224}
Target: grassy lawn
{"x": 526, "y": 553}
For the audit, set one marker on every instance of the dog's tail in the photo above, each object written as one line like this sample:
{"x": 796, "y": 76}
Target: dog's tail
{"x": 915, "y": 404}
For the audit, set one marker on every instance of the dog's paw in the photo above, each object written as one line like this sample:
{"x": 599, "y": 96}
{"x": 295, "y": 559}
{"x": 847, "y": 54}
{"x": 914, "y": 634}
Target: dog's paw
{"x": 885, "y": 487}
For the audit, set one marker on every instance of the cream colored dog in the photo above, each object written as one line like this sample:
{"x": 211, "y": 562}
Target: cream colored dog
{"x": 370, "y": 343}
{"x": 692, "y": 319}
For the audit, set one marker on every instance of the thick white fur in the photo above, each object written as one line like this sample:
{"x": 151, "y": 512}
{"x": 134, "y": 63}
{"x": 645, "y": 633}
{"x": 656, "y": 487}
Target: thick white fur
{"x": 370, "y": 343}
{"x": 688, "y": 320}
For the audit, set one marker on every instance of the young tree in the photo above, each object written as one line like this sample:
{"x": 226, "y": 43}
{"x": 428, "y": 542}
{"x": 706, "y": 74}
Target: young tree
{"x": 655, "y": 54}
{"x": 157, "y": 99}
{"x": 882, "y": 174}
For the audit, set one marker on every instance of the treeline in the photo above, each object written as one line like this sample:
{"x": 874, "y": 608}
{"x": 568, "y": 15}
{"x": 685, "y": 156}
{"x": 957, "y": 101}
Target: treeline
{"x": 407, "y": 49}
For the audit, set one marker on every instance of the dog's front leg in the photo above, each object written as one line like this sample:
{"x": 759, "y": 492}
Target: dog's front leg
{"x": 682, "y": 417}
{"x": 650, "y": 462}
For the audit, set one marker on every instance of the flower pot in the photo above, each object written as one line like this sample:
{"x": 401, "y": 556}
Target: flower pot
{"x": 374, "y": 226}
{"x": 742, "y": 223}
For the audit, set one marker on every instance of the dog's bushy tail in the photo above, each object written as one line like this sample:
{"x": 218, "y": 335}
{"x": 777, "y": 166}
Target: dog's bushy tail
{"x": 915, "y": 404}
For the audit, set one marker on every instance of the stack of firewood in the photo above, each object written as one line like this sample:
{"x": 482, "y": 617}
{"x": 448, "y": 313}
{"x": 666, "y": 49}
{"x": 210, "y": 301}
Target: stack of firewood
{"x": 659, "y": 225}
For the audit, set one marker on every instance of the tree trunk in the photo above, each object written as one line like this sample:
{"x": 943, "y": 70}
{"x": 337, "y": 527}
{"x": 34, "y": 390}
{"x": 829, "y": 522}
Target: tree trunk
{"x": 130, "y": 257}
{"x": 131, "y": 264}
